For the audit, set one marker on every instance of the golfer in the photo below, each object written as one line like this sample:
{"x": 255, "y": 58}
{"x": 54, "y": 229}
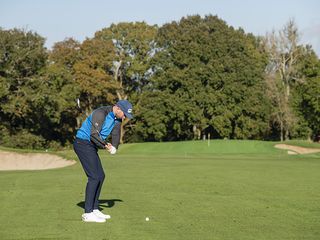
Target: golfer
{"x": 92, "y": 135}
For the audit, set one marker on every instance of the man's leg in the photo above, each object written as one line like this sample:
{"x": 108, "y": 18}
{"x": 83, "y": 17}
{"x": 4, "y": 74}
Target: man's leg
{"x": 101, "y": 177}
{"x": 96, "y": 210}
{"x": 89, "y": 159}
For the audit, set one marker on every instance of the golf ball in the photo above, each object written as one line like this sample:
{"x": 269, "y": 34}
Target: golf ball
{"x": 147, "y": 219}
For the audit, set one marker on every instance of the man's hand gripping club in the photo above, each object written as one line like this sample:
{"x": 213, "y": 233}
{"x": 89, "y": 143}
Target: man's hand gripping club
{"x": 111, "y": 149}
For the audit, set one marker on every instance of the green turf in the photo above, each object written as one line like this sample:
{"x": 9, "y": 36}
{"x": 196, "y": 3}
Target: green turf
{"x": 189, "y": 190}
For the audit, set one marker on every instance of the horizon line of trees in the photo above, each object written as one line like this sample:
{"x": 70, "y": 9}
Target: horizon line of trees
{"x": 186, "y": 79}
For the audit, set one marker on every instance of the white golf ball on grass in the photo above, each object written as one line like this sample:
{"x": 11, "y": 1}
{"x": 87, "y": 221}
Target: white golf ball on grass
{"x": 147, "y": 219}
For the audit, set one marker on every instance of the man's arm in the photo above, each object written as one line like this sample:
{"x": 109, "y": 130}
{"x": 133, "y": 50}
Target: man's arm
{"x": 115, "y": 134}
{"x": 98, "y": 117}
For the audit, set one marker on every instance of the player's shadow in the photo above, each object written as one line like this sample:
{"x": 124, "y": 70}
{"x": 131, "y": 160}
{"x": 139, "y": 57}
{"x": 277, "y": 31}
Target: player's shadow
{"x": 103, "y": 203}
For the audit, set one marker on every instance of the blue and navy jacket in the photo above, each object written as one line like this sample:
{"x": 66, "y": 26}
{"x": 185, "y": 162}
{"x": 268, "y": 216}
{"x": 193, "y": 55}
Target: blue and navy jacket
{"x": 99, "y": 125}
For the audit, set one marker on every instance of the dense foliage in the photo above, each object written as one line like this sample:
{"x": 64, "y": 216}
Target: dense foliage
{"x": 210, "y": 79}
{"x": 190, "y": 79}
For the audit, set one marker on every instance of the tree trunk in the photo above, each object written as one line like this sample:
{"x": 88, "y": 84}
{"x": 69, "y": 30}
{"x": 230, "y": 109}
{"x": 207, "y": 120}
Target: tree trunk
{"x": 286, "y": 136}
{"x": 122, "y": 132}
{"x": 118, "y": 78}
{"x": 281, "y": 131}
{"x": 196, "y": 132}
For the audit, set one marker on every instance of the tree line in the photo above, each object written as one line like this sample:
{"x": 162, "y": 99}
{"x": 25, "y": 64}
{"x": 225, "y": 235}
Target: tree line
{"x": 187, "y": 79}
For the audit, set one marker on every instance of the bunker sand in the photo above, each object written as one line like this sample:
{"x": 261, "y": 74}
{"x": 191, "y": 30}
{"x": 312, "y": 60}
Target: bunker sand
{"x": 296, "y": 149}
{"x": 31, "y": 161}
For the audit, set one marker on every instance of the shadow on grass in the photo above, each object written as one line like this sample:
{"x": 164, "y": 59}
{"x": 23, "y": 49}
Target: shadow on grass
{"x": 104, "y": 203}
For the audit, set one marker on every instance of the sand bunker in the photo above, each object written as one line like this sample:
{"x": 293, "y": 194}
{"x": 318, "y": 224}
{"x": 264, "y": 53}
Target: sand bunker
{"x": 296, "y": 149}
{"x": 31, "y": 161}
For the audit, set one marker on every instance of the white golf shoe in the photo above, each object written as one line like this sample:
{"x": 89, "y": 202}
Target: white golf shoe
{"x": 100, "y": 214}
{"x": 91, "y": 217}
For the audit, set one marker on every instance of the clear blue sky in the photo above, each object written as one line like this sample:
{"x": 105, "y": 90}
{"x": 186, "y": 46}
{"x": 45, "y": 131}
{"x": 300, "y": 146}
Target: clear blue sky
{"x": 58, "y": 19}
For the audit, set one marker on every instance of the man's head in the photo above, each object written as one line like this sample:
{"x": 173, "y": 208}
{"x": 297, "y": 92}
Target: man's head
{"x": 124, "y": 108}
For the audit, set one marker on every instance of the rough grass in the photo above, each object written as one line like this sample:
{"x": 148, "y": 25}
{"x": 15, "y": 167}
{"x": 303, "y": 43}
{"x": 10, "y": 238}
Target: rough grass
{"x": 189, "y": 190}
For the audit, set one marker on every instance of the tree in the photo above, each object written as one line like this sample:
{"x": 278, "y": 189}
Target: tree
{"x": 306, "y": 95}
{"x": 133, "y": 45}
{"x": 281, "y": 74}
{"x": 65, "y": 54}
{"x": 54, "y": 106}
{"x": 60, "y": 77}
{"x": 212, "y": 75}
{"x": 22, "y": 58}
{"x": 92, "y": 73}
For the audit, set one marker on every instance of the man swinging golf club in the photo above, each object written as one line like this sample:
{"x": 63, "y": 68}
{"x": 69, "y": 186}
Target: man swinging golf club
{"x": 92, "y": 135}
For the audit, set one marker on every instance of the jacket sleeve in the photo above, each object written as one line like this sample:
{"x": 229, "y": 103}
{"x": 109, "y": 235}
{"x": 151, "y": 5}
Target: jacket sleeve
{"x": 98, "y": 117}
{"x": 115, "y": 134}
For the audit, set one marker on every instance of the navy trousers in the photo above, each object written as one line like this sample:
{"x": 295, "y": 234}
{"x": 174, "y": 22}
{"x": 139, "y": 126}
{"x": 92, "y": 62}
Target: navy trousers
{"x": 88, "y": 155}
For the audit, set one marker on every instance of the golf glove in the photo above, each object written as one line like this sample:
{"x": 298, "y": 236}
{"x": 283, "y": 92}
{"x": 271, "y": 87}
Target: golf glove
{"x": 112, "y": 150}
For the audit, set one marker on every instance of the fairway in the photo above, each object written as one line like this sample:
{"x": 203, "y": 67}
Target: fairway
{"x": 189, "y": 190}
